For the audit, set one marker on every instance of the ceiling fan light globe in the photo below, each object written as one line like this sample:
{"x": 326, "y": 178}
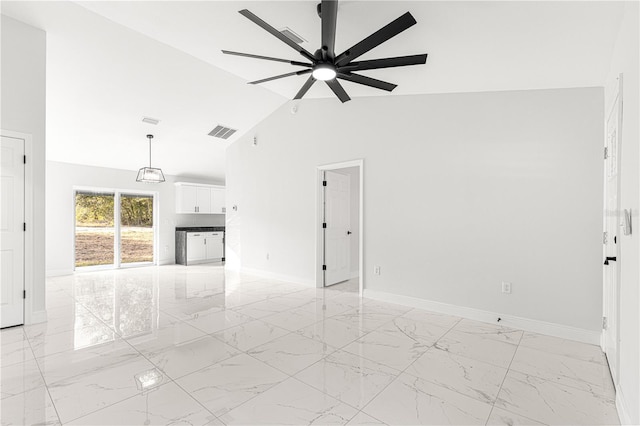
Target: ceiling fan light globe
{"x": 324, "y": 73}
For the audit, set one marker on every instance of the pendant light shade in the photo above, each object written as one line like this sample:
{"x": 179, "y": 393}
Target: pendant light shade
{"x": 150, "y": 174}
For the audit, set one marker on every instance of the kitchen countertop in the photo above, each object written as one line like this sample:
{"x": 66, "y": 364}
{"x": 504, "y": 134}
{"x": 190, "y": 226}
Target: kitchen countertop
{"x": 200, "y": 228}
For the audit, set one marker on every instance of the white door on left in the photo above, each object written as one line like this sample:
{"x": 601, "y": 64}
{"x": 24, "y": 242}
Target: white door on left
{"x": 12, "y": 232}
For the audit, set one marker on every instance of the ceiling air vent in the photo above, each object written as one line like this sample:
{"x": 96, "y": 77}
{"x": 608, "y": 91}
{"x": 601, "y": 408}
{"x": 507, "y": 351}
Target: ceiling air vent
{"x": 222, "y": 132}
{"x": 150, "y": 120}
{"x": 288, "y": 32}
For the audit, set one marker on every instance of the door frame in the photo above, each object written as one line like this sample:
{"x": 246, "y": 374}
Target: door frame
{"x": 319, "y": 217}
{"x": 616, "y": 103}
{"x": 29, "y": 244}
{"x": 116, "y": 227}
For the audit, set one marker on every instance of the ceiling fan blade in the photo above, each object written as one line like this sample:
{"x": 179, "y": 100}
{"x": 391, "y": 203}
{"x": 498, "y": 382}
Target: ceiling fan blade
{"x": 289, "y": 74}
{"x": 267, "y": 58}
{"x": 249, "y": 15}
{"x": 383, "y": 34}
{"x": 337, "y": 88}
{"x": 400, "y": 61}
{"x": 329, "y": 15}
{"x": 305, "y": 88}
{"x": 367, "y": 81}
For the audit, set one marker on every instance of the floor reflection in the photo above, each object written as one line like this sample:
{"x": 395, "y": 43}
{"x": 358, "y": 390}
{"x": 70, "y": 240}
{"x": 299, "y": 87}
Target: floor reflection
{"x": 127, "y": 303}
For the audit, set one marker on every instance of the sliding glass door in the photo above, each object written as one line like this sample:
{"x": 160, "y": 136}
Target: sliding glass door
{"x": 136, "y": 228}
{"x": 113, "y": 229}
{"x": 95, "y": 229}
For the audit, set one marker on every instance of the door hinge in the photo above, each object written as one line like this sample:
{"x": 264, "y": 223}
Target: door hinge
{"x": 324, "y": 183}
{"x": 324, "y": 225}
{"x": 606, "y": 152}
{"x": 605, "y": 239}
{"x": 324, "y": 267}
{"x": 605, "y": 324}
{"x": 24, "y": 159}
{"x": 24, "y": 294}
{"x": 24, "y": 226}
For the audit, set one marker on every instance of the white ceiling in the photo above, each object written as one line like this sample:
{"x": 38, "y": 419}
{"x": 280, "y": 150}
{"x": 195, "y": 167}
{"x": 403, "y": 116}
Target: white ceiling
{"x": 104, "y": 74}
{"x": 103, "y": 78}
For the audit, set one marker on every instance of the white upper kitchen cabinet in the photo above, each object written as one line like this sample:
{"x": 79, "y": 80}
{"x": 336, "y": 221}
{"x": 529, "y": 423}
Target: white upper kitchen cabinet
{"x": 203, "y": 199}
{"x": 199, "y": 198}
{"x": 218, "y": 201}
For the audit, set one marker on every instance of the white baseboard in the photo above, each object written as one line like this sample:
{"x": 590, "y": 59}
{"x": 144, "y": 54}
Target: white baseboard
{"x": 280, "y": 277}
{"x": 621, "y": 407}
{"x": 38, "y": 317}
{"x": 58, "y": 272}
{"x": 166, "y": 262}
{"x": 537, "y": 326}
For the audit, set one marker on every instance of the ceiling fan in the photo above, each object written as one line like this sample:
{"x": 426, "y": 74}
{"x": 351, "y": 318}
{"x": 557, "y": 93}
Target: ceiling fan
{"x": 325, "y": 65}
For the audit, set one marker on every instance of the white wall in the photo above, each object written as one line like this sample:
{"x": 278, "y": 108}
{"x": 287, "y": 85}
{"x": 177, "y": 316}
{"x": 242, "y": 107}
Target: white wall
{"x": 461, "y": 192}
{"x": 23, "y": 110}
{"x": 63, "y": 177}
{"x": 625, "y": 60}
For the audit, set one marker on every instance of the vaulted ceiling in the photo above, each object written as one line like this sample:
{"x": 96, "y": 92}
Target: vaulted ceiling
{"x": 109, "y": 64}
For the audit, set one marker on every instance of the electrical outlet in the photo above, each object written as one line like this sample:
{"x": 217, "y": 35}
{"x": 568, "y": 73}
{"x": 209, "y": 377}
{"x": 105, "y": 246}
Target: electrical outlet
{"x": 376, "y": 270}
{"x": 506, "y": 287}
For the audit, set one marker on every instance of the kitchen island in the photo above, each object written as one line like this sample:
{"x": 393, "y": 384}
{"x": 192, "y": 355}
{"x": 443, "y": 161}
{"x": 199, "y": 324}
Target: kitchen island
{"x": 199, "y": 244}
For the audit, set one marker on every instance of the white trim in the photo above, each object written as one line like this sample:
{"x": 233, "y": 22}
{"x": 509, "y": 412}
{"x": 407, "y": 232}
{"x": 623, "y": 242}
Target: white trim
{"x": 29, "y": 243}
{"x": 38, "y": 317}
{"x": 528, "y": 324}
{"x": 623, "y": 413}
{"x": 204, "y": 261}
{"x": 58, "y": 272}
{"x": 216, "y": 186}
{"x": 136, "y": 265}
{"x": 276, "y": 276}
{"x": 319, "y": 240}
{"x": 166, "y": 262}
{"x": 117, "y": 230}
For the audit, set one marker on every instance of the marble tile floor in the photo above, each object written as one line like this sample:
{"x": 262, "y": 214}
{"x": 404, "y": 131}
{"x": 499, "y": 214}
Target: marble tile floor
{"x": 198, "y": 346}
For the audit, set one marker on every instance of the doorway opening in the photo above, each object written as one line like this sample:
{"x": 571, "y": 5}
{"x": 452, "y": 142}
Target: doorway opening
{"x": 114, "y": 229}
{"x": 339, "y": 218}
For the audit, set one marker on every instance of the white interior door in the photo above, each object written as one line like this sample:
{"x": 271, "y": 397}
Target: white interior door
{"x": 337, "y": 247}
{"x": 611, "y": 246}
{"x": 12, "y": 232}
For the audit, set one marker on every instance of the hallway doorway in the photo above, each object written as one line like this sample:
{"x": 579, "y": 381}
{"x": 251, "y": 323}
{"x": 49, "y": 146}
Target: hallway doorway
{"x": 340, "y": 226}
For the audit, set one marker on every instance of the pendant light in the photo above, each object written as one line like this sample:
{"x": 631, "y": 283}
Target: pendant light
{"x": 149, "y": 174}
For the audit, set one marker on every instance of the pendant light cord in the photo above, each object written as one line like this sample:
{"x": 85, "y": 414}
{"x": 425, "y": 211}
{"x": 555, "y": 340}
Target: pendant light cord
{"x": 150, "y": 137}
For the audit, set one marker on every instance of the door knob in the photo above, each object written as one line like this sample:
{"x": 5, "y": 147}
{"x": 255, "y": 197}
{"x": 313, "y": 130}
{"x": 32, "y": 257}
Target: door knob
{"x": 606, "y": 261}
{"x": 348, "y": 232}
